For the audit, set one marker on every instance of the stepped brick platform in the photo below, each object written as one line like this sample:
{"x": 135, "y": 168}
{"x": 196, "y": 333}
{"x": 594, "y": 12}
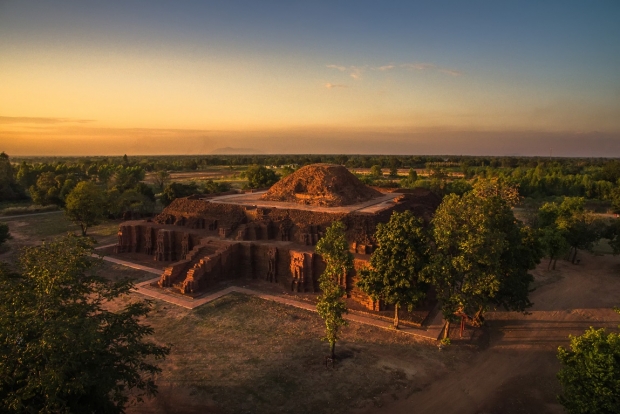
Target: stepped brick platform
{"x": 271, "y": 235}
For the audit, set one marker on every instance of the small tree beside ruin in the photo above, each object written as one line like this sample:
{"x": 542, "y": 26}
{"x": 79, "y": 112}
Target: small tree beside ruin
{"x": 334, "y": 249}
{"x": 397, "y": 263}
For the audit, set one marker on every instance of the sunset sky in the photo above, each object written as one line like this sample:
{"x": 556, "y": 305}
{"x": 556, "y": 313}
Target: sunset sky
{"x": 197, "y": 77}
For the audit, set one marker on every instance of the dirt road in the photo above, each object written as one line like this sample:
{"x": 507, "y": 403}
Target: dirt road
{"x": 515, "y": 371}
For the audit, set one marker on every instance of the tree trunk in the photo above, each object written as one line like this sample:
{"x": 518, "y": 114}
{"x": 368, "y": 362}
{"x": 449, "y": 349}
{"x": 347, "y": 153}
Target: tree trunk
{"x": 446, "y": 332}
{"x": 396, "y": 316}
{"x": 478, "y": 320}
{"x": 554, "y": 262}
{"x": 575, "y": 255}
{"x": 332, "y": 350}
{"x": 550, "y": 260}
{"x": 83, "y": 230}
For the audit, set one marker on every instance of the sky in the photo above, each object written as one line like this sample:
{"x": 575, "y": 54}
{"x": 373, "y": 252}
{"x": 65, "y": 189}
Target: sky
{"x": 357, "y": 77}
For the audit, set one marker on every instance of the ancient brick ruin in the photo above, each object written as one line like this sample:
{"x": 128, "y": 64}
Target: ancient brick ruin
{"x": 268, "y": 235}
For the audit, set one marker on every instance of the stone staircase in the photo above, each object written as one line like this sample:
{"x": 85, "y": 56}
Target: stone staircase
{"x": 174, "y": 275}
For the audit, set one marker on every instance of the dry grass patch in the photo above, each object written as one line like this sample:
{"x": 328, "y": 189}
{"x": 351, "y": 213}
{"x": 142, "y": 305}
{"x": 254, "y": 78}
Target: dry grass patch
{"x": 244, "y": 354}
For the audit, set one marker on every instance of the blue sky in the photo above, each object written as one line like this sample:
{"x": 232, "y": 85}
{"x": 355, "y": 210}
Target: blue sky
{"x": 124, "y": 75}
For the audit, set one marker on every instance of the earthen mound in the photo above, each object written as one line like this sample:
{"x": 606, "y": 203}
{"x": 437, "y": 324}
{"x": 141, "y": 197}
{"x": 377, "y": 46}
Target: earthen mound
{"x": 325, "y": 185}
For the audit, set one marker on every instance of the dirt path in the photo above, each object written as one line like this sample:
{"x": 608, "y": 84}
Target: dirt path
{"x": 516, "y": 373}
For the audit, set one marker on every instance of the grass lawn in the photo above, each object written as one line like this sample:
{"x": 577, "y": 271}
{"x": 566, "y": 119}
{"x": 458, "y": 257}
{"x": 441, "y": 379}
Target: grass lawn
{"x": 244, "y": 354}
{"x": 115, "y": 272}
{"x": 36, "y": 228}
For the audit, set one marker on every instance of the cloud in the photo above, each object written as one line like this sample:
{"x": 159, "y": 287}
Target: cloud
{"x": 431, "y": 66}
{"x": 41, "y": 120}
{"x": 340, "y": 68}
{"x": 451, "y": 72}
{"x": 354, "y": 71}
{"x": 418, "y": 66}
{"x": 334, "y": 85}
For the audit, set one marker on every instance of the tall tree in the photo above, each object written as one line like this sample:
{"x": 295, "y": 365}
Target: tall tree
{"x": 334, "y": 249}
{"x": 85, "y": 205}
{"x": 554, "y": 244}
{"x": 482, "y": 256}
{"x": 9, "y": 188}
{"x": 397, "y": 263}
{"x": 161, "y": 178}
{"x": 580, "y": 228}
{"x": 61, "y": 349}
{"x": 376, "y": 172}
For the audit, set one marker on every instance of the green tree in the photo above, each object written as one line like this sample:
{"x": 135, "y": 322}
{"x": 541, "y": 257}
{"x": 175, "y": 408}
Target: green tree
{"x": 9, "y": 188}
{"x": 397, "y": 263}
{"x": 46, "y": 190}
{"x": 482, "y": 256}
{"x": 554, "y": 244}
{"x": 260, "y": 176}
{"x": 334, "y": 249}
{"x": 410, "y": 180}
{"x": 177, "y": 190}
{"x": 86, "y": 205}
{"x": 161, "y": 178}
{"x": 61, "y": 349}
{"x": 375, "y": 171}
{"x": 580, "y": 228}
{"x": 495, "y": 187}
{"x": 590, "y": 373}
{"x": 135, "y": 204}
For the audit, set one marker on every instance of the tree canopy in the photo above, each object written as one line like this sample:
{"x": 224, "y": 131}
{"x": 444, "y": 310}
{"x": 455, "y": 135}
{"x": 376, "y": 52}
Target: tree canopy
{"x": 397, "y": 263}
{"x": 334, "y": 249}
{"x": 482, "y": 256}
{"x": 590, "y": 373}
{"x": 85, "y": 205}
{"x": 579, "y": 228}
{"x": 260, "y": 176}
{"x": 61, "y": 348}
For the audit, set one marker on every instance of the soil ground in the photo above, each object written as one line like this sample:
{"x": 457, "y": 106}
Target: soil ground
{"x": 514, "y": 370}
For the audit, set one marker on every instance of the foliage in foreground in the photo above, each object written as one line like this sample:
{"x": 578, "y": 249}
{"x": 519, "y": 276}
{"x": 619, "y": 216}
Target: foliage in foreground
{"x": 61, "y": 350}
{"x": 590, "y": 374}
{"x": 334, "y": 249}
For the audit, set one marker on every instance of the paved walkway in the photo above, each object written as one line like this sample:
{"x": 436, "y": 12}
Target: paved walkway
{"x": 105, "y": 246}
{"x": 432, "y": 331}
{"x": 29, "y": 215}
{"x": 128, "y": 264}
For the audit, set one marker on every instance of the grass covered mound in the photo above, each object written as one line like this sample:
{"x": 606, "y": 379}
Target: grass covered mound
{"x": 325, "y": 185}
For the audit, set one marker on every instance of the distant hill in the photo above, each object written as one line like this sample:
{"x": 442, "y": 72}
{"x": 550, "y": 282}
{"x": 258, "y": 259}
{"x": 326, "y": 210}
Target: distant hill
{"x": 235, "y": 151}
